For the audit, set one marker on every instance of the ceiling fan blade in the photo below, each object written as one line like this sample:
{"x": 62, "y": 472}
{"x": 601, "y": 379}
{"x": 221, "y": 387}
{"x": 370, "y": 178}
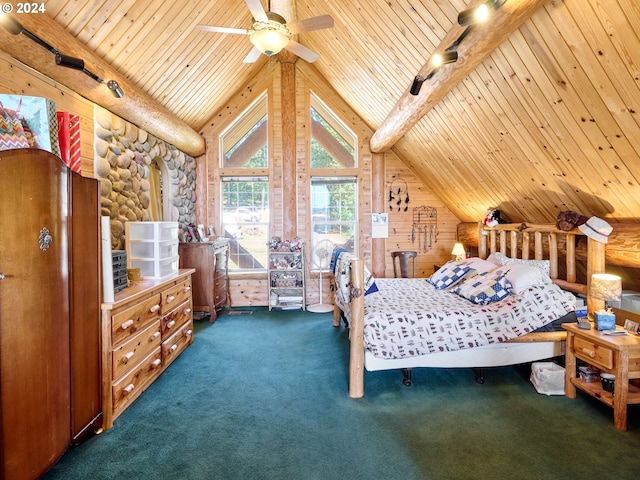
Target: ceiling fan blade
{"x": 211, "y": 28}
{"x": 253, "y": 56}
{"x": 255, "y": 7}
{"x": 302, "y": 51}
{"x": 310, "y": 24}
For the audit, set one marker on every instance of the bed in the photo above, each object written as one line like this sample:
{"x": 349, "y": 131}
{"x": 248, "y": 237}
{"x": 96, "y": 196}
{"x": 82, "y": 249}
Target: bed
{"x": 408, "y": 323}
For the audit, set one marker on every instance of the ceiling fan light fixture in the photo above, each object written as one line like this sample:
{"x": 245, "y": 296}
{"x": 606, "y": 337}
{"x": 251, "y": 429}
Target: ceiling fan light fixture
{"x": 269, "y": 42}
{"x": 272, "y": 36}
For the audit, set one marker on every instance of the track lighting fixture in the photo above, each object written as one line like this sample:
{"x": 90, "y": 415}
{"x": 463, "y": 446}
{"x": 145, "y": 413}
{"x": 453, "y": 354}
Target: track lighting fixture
{"x": 69, "y": 62}
{"x": 468, "y": 18}
{"x": 115, "y": 89}
{"x": 417, "y": 84}
{"x": 15, "y": 28}
{"x": 475, "y": 15}
{"x": 447, "y": 57}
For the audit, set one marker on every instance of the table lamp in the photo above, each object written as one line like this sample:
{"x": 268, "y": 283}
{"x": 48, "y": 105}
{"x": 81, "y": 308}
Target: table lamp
{"x": 605, "y": 287}
{"x": 458, "y": 251}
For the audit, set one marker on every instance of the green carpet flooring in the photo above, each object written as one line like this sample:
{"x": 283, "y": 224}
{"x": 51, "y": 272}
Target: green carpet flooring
{"x": 264, "y": 396}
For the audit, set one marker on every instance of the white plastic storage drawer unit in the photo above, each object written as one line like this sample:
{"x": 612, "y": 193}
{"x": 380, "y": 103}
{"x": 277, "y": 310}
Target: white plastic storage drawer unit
{"x": 153, "y": 248}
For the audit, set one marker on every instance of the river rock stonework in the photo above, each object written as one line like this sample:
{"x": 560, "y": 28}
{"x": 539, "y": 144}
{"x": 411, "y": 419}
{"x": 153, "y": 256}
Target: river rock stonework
{"x": 123, "y": 157}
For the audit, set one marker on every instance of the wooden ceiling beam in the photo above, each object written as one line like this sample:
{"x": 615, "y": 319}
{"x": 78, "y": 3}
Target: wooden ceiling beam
{"x": 478, "y": 44}
{"x": 136, "y": 106}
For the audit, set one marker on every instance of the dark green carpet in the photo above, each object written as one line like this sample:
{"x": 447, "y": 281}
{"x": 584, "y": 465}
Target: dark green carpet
{"x": 264, "y": 396}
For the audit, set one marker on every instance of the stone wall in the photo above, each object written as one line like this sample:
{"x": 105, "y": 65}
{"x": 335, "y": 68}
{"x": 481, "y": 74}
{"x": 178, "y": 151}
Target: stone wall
{"x": 124, "y": 155}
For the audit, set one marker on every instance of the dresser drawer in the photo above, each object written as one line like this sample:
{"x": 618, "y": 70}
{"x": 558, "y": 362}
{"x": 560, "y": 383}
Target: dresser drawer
{"x": 130, "y": 353}
{"x": 174, "y": 345}
{"x": 175, "y": 295}
{"x": 175, "y": 319}
{"x": 593, "y": 353}
{"x": 130, "y": 321}
{"x": 131, "y": 385}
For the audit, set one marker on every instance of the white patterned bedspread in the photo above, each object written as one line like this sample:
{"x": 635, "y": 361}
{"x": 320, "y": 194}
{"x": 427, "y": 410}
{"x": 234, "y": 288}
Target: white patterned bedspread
{"x": 409, "y": 317}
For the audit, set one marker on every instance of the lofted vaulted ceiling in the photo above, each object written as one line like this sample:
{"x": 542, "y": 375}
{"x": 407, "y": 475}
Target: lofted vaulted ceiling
{"x": 549, "y": 121}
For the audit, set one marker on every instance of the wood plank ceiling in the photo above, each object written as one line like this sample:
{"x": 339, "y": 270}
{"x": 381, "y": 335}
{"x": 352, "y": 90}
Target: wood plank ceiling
{"x": 549, "y": 122}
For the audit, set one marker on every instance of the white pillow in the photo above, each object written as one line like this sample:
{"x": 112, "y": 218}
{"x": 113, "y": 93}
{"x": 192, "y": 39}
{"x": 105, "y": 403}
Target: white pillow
{"x": 498, "y": 258}
{"x": 501, "y": 259}
{"x": 523, "y": 276}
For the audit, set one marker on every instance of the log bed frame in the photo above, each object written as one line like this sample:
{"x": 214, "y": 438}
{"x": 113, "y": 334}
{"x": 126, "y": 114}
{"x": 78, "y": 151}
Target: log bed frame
{"x": 508, "y": 239}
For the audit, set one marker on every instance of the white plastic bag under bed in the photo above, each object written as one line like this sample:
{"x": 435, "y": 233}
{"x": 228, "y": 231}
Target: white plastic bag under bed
{"x": 548, "y": 378}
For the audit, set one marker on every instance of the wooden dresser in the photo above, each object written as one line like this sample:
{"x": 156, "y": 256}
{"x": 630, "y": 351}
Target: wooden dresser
{"x": 211, "y": 280}
{"x": 147, "y": 326}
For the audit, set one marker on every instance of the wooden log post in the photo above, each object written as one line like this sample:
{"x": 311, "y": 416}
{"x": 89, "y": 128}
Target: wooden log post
{"x": 356, "y": 330}
{"x": 377, "y": 205}
{"x": 595, "y": 264}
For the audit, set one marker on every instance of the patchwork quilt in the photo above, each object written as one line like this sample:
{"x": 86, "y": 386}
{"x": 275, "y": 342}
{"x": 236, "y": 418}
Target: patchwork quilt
{"x": 408, "y": 317}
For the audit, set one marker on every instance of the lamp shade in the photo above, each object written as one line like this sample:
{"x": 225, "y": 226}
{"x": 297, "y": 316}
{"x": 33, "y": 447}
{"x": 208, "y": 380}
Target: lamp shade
{"x": 458, "y": 251}
{"x": 605, "y": 287}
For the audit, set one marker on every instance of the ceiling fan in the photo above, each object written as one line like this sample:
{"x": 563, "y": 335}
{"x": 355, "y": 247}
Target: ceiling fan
{"x": 270, "y": 33}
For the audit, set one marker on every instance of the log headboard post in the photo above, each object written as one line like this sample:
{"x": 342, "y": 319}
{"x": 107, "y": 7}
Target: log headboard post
{"x": 595, "y": 264}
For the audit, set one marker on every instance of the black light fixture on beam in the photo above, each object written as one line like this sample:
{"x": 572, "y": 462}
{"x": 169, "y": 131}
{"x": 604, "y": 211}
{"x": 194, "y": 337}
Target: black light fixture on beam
{"x": 437, "y": 61}
{"x": 15, "y": 28}
{"x": 471, "y": 16}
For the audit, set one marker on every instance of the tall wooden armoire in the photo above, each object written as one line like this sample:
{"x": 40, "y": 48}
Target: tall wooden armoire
{"x": 49, "y": 310}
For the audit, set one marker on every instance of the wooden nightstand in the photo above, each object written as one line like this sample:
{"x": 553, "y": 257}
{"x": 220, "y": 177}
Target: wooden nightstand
{"x": 619, "y": 355}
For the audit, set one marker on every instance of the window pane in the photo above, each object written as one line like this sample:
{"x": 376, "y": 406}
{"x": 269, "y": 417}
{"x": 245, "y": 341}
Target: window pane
{"x": 334, "y": 211}
{"x": 245, "y": 221}
{"x": 332, "y": 143}
{"x": 244, "y": 143}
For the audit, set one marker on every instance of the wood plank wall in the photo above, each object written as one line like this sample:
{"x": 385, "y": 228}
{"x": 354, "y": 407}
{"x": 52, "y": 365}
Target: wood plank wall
{"x": 19, "y": 79}
{"x": 401, "y": 223}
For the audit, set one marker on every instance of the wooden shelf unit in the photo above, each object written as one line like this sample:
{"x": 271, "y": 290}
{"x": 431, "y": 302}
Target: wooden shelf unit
{"x": 619, "y": 355}
{"x": 286, "y": 280}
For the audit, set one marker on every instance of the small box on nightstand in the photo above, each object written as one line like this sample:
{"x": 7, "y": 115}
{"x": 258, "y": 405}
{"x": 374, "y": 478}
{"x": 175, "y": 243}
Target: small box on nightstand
{"x": 604, "y": 320}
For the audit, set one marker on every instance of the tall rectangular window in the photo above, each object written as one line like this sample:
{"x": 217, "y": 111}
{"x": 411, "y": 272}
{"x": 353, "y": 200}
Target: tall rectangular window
{"x": 334, "y": 212}
{"x": 245, "y": 220}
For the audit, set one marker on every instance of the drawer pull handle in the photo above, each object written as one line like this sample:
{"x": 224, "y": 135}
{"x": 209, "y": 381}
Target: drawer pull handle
{"x": 174, "y": 347}
{"x": 171, "y": 324}
{"x": 156, "y": 363}
{"x": 154, "y": 336}
{"x": 187, "y": 289}
{"x": 589, "y": 352}
{"x": 128, "y": 357}
{"x": 171, "y": 298}
{"x": 127, "y": 324}
{"x": 128, "y": 389}
{"x": 186, "y": 311}
{"x": 155, "y": 308}
{"x": 189, "y": 332}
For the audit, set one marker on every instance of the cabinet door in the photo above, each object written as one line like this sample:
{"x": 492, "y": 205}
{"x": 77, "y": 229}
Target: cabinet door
{"x": 34, "y": 313}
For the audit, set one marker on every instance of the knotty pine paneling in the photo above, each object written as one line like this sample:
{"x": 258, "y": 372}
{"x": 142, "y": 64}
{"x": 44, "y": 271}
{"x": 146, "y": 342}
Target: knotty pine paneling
{"x": 401, "y": 222}
{"x": 19, "y": 79}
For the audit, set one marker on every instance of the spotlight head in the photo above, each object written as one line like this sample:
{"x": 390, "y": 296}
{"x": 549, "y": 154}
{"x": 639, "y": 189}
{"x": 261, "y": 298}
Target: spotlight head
{"x": 115, "y": 89}
{"x": 10, "y": 24}
{"x": 417, "y": 84}
{"x": 475, "y": 15}
{"x": 447, "y": 57}
{"x": 69, "y": 62}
